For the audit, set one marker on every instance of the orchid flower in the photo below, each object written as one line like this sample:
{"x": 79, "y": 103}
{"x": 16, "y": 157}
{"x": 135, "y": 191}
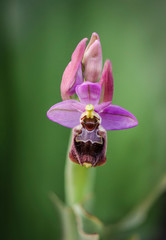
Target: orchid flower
{"x": 93, "y": 114}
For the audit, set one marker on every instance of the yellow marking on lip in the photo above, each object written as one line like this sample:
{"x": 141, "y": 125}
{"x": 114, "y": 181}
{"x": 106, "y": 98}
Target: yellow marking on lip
{"x": 87, "y": 165}
{"x": 89, "y": 111}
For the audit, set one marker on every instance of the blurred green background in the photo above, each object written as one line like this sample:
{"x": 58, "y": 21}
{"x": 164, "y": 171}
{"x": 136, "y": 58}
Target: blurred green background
{"x": 37, "y": 40}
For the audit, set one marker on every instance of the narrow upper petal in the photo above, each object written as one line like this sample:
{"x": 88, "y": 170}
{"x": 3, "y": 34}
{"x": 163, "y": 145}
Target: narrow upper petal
{"x": 92, "y": 59}
{"x": 66, "y": 113}
{"x": 100, "y": 107}
{"x": 89, "y": 93}
{"x": 72, "y": 75}
{"x": 106, "y": 82}
{"x": 117, "y": 118}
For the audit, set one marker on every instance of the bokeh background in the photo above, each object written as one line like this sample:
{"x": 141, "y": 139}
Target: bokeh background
{"x": 37, "y": 40}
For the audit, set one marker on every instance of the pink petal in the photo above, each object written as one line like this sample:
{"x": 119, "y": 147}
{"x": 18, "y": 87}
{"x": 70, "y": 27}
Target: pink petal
{"x": 99, "y": 108}
{"x": 66, "y": 113}
{"x": 92, "y": 59}
{"x": 89, "y": 93}
{"x": 106, "y": 82}
{"x": 117, "y": 118}
{"x": 72, "y": 75}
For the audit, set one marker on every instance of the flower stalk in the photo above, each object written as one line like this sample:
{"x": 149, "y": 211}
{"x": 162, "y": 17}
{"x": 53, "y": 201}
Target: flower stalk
{"x": 79, "y": 183}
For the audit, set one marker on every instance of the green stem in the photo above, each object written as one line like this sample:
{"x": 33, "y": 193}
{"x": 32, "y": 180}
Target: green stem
{"x": 79, "y": 182}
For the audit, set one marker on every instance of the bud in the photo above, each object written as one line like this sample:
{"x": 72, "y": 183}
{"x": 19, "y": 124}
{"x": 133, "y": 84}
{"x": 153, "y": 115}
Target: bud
{"x": 92, "y": 60}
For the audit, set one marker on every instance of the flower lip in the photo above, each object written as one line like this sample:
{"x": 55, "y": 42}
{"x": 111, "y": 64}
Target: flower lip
{"x": 88, "y": 147}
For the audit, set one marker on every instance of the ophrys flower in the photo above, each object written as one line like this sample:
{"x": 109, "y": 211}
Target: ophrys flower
{"x": 89, "y": 121}
{"x": 93, "y": 114}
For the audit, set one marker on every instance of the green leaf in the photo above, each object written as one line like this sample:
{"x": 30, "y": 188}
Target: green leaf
{"x": 89, "y": 227}
{"x": 138, "y": 215}
{"x": 76, "y": 223}
{"x": 68, "y": 221}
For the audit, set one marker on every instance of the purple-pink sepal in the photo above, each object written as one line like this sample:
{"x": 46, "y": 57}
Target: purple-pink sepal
{"x": 66, "y": 113}
{"x": 117, "y": 118}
